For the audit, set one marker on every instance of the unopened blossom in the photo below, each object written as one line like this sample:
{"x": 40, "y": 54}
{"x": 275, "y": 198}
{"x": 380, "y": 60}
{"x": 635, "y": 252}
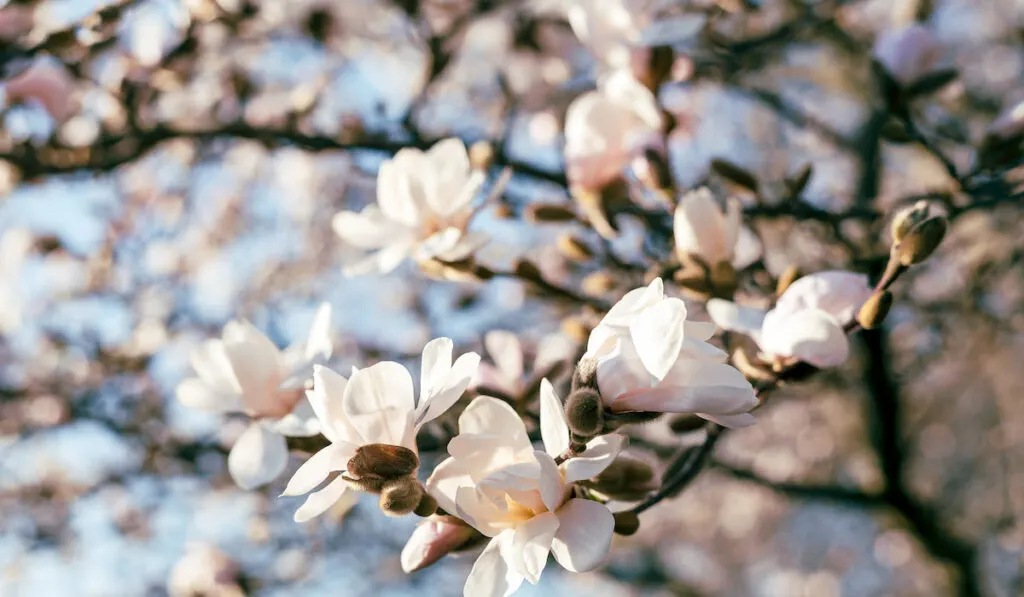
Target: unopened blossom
{"x": 508, "y": 373}
{"x": 605, "y": 128}
{"x": 244, "y": 372}
{"x": 520, "y": 497}
{"x": 908, "y": 53}
{"x": 433, "y": 539}
{"x": 649, "y": 357}
{"x": 376, "y": 405}
{"x": 704, "y": 230}
{"x": 806, "y": 323}
{"x": 424, "y": 205}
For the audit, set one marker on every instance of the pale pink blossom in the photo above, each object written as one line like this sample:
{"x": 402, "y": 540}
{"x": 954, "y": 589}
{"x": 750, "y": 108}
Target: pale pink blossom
{"x": 376, "y": 405}
{"x": 244, "y": 372}
{"x": 508, "y": 372}
{"x": 433, "y": 539}
{"x": 520, "y": 497}
{"x": 46, "y": 82}
{"x": 908, "y": 53}
{"x": 703, "y": 229}
{"x": 806, "y": 323}
{"x": 424, "y": 205}
{"x": 649, "y": 357}
{"x": 605, "y": 128}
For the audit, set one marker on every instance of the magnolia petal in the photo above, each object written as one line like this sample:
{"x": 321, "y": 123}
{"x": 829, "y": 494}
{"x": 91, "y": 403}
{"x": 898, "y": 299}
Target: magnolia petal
{"x": 319, "y": 502}
{"x": 258, "y": 457}
{"x": 551, "y": 484}
{"x": 699, "y": 227}
{"x": 553, "y": 428}
{"x": 194, "y": 393}
{"x": 747, "y": 249}
{"x": 379, "y": 402}
{"x": 466, "y": 245}
{"x": 434, "y": 366}
{"x": 301, "y": 422}
{"x": 368, "y": 229}
{"x": 599, "y": 455}
{"x": 699, "y": 330}
{"x": 312, "y": 473}
{"x": 446, "y": 480}
{"x": 657, "y": 335}
{"x": 479, "y": 511}
{"x": 257, "y": 365}
{"x": 504, "y": 349}
{"x": 531, "y": 543}
{"x": 731, "y": 226}
{"x": 491, "y": 575}
{"x": 810, "y": 335}
{"x": 733, "y": 421}
{"x": 211, "y": 363}
{"x": 394, "y": 195}
{"x": 838, "y": 293}
{"x": 584, "y": 534}
{"x": 633, "y": 302}
{"x": 737, "y": 318}
{"x": 457, "y": 378}
{"x": 490, "y": 416}
{"x": 712, "y": 399}
{"x": 326, "y": 399}
{"x": 318, "y": 342}
{"x": 621, "y": 371}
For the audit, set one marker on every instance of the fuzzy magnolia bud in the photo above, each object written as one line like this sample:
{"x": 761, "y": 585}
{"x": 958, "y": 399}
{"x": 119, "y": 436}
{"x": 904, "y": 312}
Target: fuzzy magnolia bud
{"x": 626, "y": 523}
{"x": 399, "y": 497}
{"x": 548, "y": 212}
{"x": 792, "y": 274}
{"x": 481, "y": 154}
{"x": 628, "y": 479}
{"x": 723, "y": 279}
{"x": 427, "y": 506}
{"x": 584, "y": 412}
{"x": 382, "y": 461}
{"x": 921, "y": 241}
{"x": 433, "y": 539}
{"x": 593, "y": 205}
{"x": 872, "y": 313}
{"x": 598, "y": 283}
{"x": 573, "y": 248}
{"x": 908, "y": 219}
{"x": 686, "y": 423}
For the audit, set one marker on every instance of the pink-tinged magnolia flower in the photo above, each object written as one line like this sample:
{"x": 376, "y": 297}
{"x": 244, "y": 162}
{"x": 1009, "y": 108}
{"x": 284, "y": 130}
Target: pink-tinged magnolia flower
{"x": 806, "y": 323}
{"x": 245, "y": 372}
{"x": 433, "y": 539}
{"x": 909, "y": 53}
{"x": 375, "y": 406}
{"x": 46, "y": 82}
{"x": 422, "y": 211}
{"x": 520, "y": 498}
{"x": 702, "y": 229}
{"x": 649, "y": 357}
{"x": 605, "y": 128}
{"x": 508, "y": 373}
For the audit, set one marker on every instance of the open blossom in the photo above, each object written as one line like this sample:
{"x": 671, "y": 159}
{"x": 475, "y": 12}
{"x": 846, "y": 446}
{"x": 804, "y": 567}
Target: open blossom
{"x": 422, "y": 211}
{"x": 703, "y": 229}
{"x": 244, "y": 372}
{"x": 520, "y": 498}
{"x": 508, "y": 373}
{"x": 649, "y": 357}
{"x": 376, "y": 405}
{"x": 806, "y": 323}
{"x": 605, "y": 128}
{"x": 909, "y": 53}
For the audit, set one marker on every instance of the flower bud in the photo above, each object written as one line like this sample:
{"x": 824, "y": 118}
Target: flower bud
{"x": 573, "y": 248}
{"x": 686, "y": 423}
{"x": 575, "y": 329}
{"x": 399, "y": 497}
{"x": 584, "y": 412}
{"x": 427, "y": 506}
{"x": 598, "y": 283}
{"x": 592, "y": 204}
{"x": 792, "y": 274}
{"x": 433, "y": 539}
{"x": 749, "y": 369}
{"x": 723, "y": 279}
{"x": 872, "y": 313}
{"x": 628, "y": 479}
{"x": 383, "y": 461}
{"x": 908, "y": 218}
{"x": 692, "y": 277}
{"x": 735, "y": 174}
{"x": 626, "y": 523}
{"x": 481, "y": 154}
{"x": 548, "y": 212}
{"x": 527, "y": 270}
{"x": 921, "y": 241}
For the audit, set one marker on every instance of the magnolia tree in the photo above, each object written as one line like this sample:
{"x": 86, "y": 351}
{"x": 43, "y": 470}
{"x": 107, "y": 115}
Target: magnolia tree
{"x": 694, "y": 333}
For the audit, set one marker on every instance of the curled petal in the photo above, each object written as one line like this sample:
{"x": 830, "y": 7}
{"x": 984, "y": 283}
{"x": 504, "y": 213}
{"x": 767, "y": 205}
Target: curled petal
{"x": 314, "y": 471}
{"x": 553, "y": 428}
{"x": 584, "y": 534}
{"x": 491, "y": 575}
{"x": 599, "y": 455}
{"x": 319, "y": 502}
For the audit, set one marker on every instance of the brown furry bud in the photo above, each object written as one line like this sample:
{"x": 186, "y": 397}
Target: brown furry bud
{"x": 907, "y": 219}
{"x": 686, "y": 423}
{"x": 399, "y": 497}
{"x": 584, "y": 412}
{"x": 427, "y": 506}
{"x": 628, "y": 479}
{"x": 723, "y": 280}
{"x": 872, "y": 313}
{"x": 527, "y": 270}
{"x": 735, "y": 174}
{"x": 598, "y": 283}
{"x": 626, "y": 523}
{"x": 382, "y": 461}
{"x": 921, "y": 241}
{"x": 548, "y": 212}
{"x": 792, "y": 274}
{"x": 573, "y": 248}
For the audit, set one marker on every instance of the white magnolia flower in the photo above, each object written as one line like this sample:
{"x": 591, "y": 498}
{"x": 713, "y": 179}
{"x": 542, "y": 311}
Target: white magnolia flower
{"x": 650, "y": 358}
{"x": 605, "y": 128}
{"x": 610, "y": 29}
{"x": 806, "y": 323}
{"x": 908, "y": 53}
{"x": 422, "y": 211}
{"x": 508, "y": 373}
{"x": 375, "y": 406}
{"x": 245, "y": 372}
{"x": 520, "y": 498}
{"x": 704, "y": 230}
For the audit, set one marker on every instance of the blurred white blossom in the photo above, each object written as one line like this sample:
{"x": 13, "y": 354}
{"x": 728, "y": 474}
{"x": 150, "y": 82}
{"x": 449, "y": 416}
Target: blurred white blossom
{"x": 909, "y": 53}
{"x": 244, "y": 372}
{"x": 806, "y": 323}
{"x": 649, "y": 357}
{"x": 508, "y": 373}
{"x": 608, "y": 28}
{"x": 152, "y": 29}
{"x": 423, "y": 209}
{"x": 376, "y": 405}
{"x": 702, "y": 229}
{"x": 520, "y": 497}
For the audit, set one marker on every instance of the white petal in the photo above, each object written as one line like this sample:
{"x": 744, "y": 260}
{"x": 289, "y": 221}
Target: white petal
{"x": 212, "y": 365}
{"x": 257, "y": 364}
{"x": 467, "y": 244}
{"x": 434, "y": 366}
{"x": 379, "y": 403}
{"x": 553, "y": 428}
{"x": 699, "y": 330}
{"x": 748, "y": 249}
{"x": 301, "y": 422}
{"x": 699, "y": 227}
{"x": 326, "y": 398}
{"x": 551, "y": 485}
{"x": 584, "y": 535}
{"x": 318, "y": 342}
{"x": 491, "y": 575}
{"x": 811, "y": 335}
{"x": 657, "y": 335}
{"x": 632, "y": 303}
{"x": 449, "y": 388}
{"x": 438, "y": 244}
{"x": 258, "y": 457}
{"x": 621, "y": 372}
{"x": 195, "y": 393}
{"x": 319, "y": 502}
{"x": 838, "y": 293}
{"x": 532, "y": 543}
{"x": 504, "y": 349}
{"x": 368, "y": 229}
{"x": 312, "y": 473}
{"x": 395, "y": 191}
{"x": 490, "y": 416}
{"x": 599, "y": 455}
{"x": 480, "y": 511}
{"x": 736, "y": 318}
{"x": 733, "y": 421}
{"x": 446, "y": 480}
